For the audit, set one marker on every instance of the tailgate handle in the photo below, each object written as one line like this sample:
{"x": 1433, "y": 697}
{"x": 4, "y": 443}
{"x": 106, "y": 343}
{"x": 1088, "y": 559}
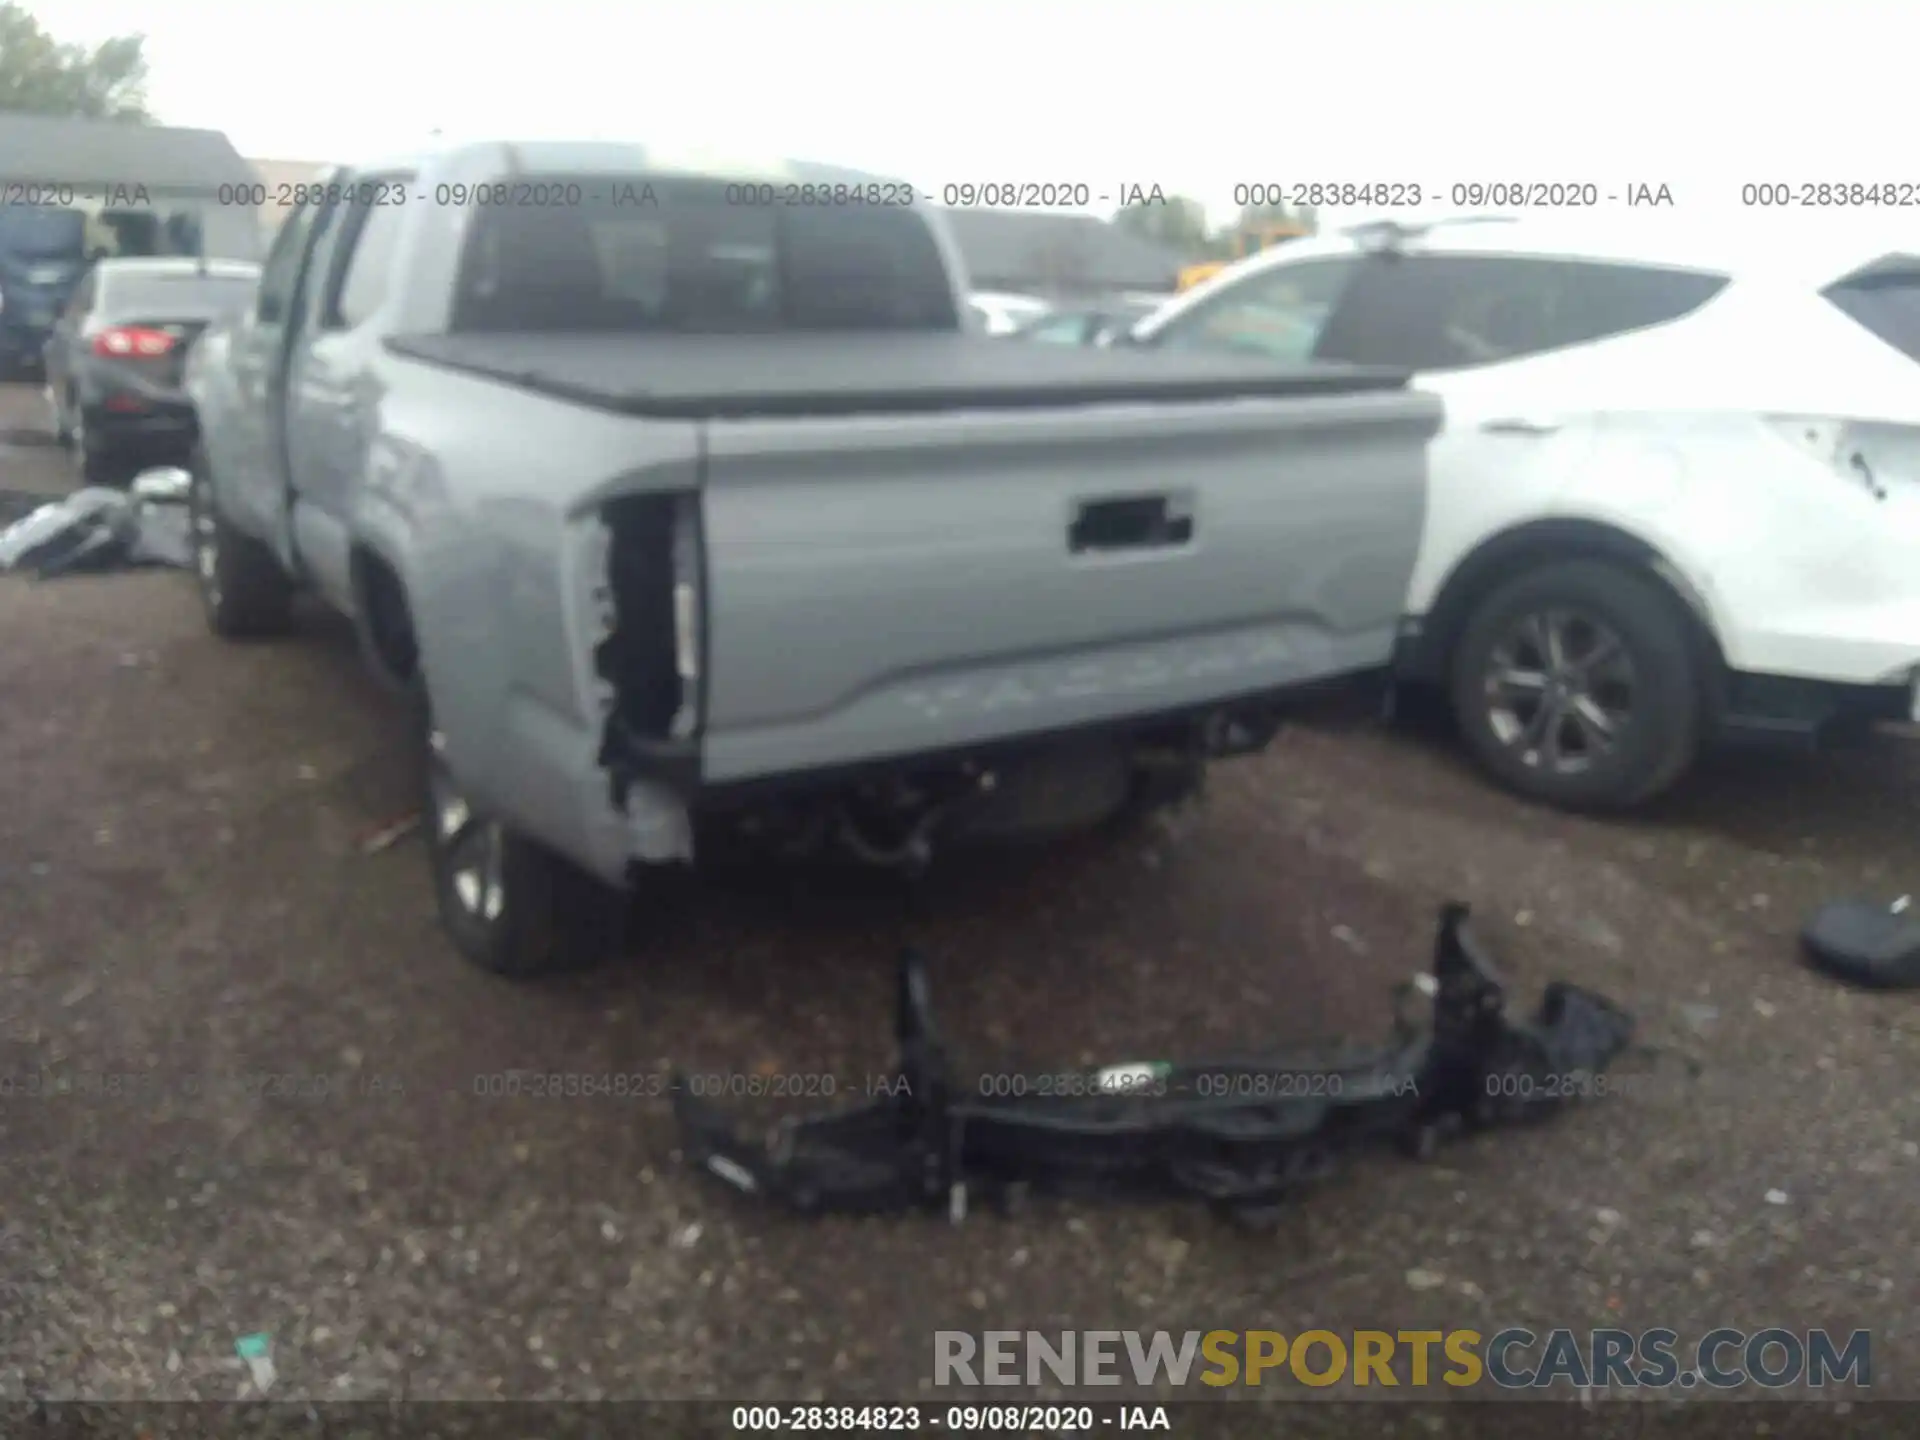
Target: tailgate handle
{"x": 1131, "y": 522}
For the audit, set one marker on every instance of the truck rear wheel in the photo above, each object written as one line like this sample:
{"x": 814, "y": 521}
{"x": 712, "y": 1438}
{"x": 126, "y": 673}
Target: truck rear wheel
{"x": 1576, "y": 684}
{"x": 242, "y": 587}
{"x": 510, "y": 905}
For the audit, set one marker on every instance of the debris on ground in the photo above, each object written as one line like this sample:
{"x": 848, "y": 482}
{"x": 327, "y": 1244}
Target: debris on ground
{"x": 257, "y": 1351}
{"x": 387, "y": 836}
{"x": 1241, "y": 1134}
{"x": 1699, "y": 1017}
{"x": 1865, "y": 943}
{"x": 17, "y": 503}
{"x": 99, "y": 529}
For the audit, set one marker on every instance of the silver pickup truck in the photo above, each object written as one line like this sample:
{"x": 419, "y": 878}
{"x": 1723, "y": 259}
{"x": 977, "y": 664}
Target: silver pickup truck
{"x": 688, "y": 502}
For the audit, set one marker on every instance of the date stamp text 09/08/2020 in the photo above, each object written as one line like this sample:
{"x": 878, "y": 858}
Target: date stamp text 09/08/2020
{"x": 561, "y": 193}
{"x": 1140, "y": 1081}
{"x": 1495, "y": 194}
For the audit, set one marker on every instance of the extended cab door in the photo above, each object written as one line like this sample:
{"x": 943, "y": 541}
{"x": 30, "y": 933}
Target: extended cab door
{"x": 248, "y": 452}
{"x": 332, "y": 403}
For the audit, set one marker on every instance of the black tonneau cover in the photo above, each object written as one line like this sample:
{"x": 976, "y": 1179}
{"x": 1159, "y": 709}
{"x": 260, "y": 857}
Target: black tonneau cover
{"x": 737, "y": 376}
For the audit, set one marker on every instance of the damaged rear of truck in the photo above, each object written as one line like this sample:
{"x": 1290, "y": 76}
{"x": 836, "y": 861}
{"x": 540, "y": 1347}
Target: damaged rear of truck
{"x": 688, "y": 510}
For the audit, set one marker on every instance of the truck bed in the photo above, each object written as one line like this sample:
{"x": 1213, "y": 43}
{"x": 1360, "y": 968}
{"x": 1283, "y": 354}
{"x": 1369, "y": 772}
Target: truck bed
{"x": 699, "y": 377}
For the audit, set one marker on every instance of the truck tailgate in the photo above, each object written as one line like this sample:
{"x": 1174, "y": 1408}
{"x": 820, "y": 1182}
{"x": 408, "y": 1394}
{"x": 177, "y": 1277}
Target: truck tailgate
{"x": 888, "y": 584}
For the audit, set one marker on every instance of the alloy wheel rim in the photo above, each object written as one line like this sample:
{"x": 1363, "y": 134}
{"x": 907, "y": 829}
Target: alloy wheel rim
{"x": 472, "y": 846}
{"x": 1559, "y": 691}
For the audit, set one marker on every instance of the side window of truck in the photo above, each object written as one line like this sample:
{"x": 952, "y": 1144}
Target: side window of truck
{"x": 280, "y": 276}
{"x": 1277, "y": 314}
{"x": 363, "y": 263}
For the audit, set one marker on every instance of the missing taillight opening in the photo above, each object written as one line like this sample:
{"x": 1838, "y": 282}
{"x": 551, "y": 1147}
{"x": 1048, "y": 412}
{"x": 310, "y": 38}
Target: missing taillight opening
{"x": 651, "y": 652}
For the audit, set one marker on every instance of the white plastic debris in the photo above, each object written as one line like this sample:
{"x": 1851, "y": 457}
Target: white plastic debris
{"x": 1776, "y": 1197}
{"x": 257, "y": 1351}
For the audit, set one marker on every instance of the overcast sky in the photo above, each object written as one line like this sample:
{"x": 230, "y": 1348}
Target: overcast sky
{"x": 1194, "y": 96}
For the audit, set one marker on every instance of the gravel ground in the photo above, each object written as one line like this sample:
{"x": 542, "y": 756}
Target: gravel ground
{"x": 185, "y": 893}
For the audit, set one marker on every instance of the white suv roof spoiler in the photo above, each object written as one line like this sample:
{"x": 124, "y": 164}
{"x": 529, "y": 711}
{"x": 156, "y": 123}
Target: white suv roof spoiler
{"x": 1389, "y": 234}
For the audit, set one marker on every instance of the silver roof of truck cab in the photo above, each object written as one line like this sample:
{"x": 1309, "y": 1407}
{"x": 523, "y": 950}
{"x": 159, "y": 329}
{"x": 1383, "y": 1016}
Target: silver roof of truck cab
{"x": 507, "y": 158}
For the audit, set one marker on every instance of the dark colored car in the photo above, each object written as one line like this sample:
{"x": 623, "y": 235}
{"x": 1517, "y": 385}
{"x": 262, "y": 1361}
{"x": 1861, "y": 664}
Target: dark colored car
{"x": 42, "y": 252}
{"x": 1093, "y": 325}
{"x": 115, "y": 358}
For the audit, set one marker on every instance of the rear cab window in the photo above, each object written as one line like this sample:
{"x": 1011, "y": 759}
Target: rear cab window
{"x": 673, "y": 256}
{"x": 1884, "y": 298}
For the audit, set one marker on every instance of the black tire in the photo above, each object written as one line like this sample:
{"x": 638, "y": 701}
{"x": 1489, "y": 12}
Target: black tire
{"x": 97, "y": 462}
{"x": 243, "y": 589}
{"x": 510, "y": 905}
{"x": 1156, "y": 790}
{"x": 1646, "y": 683}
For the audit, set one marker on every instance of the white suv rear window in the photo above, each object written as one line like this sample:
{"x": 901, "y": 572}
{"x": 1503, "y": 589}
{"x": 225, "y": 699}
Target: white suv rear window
{"x": 1885, "y": 299}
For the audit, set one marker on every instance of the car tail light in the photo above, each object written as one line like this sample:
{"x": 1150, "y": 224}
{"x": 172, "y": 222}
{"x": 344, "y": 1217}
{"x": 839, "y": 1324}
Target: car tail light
{"x": 124, "y": 341}
{"x": 1871, "y": 455}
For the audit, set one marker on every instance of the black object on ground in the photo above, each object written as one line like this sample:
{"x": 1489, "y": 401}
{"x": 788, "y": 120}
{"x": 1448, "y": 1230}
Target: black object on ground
{"x": 1240, "y": 1133}
{"x": 1865, "y": 943}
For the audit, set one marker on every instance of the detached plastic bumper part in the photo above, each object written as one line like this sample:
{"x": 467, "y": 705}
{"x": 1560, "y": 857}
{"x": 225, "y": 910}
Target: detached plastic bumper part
{"x": 1240, "y": 1134}
{"x": 1863, "y": 943}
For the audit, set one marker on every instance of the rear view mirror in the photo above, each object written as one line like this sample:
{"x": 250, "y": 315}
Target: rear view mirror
{"x": 164, "y": 485}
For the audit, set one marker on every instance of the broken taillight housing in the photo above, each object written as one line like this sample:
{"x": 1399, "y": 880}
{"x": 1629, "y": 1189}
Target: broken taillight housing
{"x": 689, "y": 588}
{"x": 653, "y": 648}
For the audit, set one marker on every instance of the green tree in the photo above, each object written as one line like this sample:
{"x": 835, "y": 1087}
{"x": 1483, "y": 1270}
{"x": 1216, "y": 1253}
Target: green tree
{"x": 1177, "y": 223}
{"x": 1257, "y": 215}
{"x": 41, "y": 76}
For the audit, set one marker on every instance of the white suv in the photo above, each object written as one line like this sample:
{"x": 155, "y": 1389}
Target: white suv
{"x": 1677, "y": 496}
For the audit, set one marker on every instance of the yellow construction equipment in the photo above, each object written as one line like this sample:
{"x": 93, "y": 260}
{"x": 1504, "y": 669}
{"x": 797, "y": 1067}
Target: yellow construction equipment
{"x": 1247, "y": 240}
